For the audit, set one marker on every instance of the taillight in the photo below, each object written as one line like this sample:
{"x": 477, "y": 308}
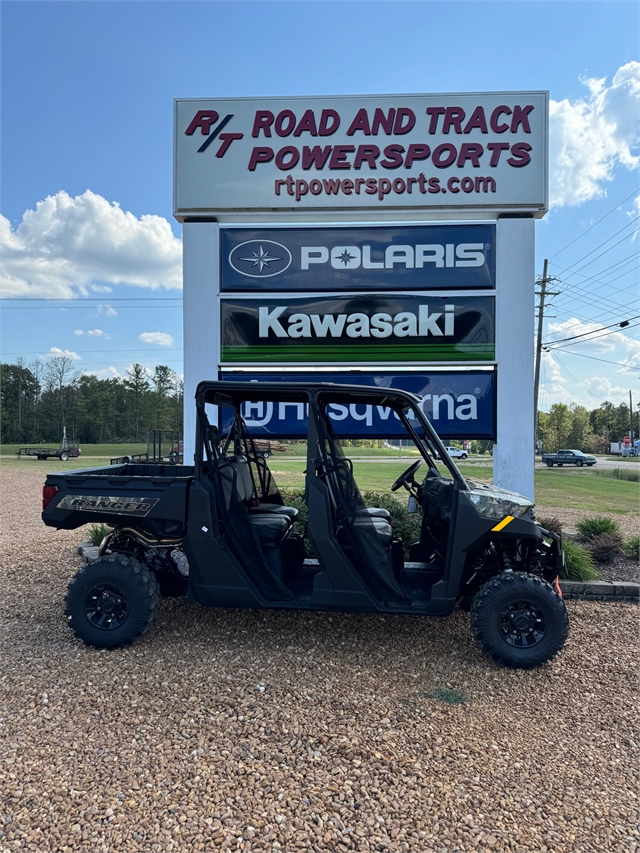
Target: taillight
{"x": 48, "y": 494}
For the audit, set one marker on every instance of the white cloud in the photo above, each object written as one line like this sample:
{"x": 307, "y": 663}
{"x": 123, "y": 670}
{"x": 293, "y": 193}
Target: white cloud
{"x": 67, "y": 246}
{"x": 604, "y": 389}
{"x": 162, "y": 339}
{"x": 109, "y": 310}
{"x": 95, "y": 333}
{"x": 56, "y": 351}
{"x": 105, "y": 373}
{"x": 553, "y": 384}
{"x": 589, "y": 137}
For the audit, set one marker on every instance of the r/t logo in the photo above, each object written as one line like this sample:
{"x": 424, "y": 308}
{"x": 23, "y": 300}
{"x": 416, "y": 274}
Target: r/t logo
{"x": 203, "y": 119}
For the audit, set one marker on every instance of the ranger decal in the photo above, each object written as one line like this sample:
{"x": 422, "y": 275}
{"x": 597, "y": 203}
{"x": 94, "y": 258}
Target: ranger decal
{"x": 139, "y": 507}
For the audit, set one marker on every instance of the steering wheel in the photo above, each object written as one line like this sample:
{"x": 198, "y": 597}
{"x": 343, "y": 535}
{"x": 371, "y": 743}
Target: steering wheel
{"x": 407, "y": 475}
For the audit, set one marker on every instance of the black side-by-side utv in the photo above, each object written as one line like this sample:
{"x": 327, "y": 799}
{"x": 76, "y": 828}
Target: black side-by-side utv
{"x": 220, "y": 533}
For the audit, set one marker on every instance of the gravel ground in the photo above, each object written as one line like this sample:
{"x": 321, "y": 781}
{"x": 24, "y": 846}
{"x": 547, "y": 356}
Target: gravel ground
{"x": 242, "y": 730}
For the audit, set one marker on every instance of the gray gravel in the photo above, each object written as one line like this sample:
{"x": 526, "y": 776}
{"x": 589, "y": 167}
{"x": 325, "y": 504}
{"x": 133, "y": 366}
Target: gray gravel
{"x": 241, "y": 730}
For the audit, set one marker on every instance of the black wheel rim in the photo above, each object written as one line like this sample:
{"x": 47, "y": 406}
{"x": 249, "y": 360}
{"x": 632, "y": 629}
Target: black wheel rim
{"x": 522, "y": 625}
{"x": 106, "y": 606}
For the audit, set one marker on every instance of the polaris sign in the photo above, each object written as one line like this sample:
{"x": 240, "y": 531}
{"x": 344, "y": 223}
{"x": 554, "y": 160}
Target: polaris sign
{"x": 424, "y": 257}
{"x": 459, "y": 405}
{"x": 352, "y": 329}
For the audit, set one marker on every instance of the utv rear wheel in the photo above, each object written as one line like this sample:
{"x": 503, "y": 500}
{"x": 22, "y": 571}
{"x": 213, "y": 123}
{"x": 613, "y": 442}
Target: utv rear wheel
{"x": 112, "y": 602}
{"x": 519, "y": 620}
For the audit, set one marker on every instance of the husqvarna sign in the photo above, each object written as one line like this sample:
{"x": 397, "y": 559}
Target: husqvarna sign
{"x": 425, "y": 257}
{"x": 376, "y": 155}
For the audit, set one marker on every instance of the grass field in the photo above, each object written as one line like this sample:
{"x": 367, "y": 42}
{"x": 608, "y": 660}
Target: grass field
{"x": 377, "y": 468}
{"x": 87, "y": 449}
{"x": 568, "y": 489}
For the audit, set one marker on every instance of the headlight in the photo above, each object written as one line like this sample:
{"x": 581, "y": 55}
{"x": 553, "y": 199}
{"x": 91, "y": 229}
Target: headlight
{"x": 494, "y": 506}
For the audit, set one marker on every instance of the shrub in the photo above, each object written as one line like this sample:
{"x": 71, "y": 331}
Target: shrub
{"x": 632, "y": 475}
{"x": 605, "y": 547}
{"x": 578, "y": 564}
{"x": 632, "y": 547}
{"x": 97, "y": 532}
{"x": 597, "y": 524}
{"x": 553, "y": 524}
{"x": 295, "y": 499}
{"x": 406, "y": 525}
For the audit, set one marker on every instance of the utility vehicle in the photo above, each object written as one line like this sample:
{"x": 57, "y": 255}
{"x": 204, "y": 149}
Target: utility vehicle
{"x": 220, "y": 533}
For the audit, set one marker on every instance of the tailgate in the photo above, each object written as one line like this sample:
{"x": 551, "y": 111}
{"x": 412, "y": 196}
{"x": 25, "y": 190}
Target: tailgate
{"x": 152, "y": 498}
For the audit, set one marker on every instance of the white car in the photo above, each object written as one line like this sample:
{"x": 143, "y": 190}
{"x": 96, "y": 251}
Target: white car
{"x": 456, "y": 453}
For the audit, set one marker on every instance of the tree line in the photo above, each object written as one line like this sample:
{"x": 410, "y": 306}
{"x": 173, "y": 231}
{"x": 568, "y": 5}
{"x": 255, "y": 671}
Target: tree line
{"x": 39, "y": 399}
{"x": 575, "y": 427}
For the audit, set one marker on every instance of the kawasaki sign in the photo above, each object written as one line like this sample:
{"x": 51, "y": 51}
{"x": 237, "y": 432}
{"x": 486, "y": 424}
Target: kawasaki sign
{"x": 352, "y": 329}
{"x": 421, "y": 257}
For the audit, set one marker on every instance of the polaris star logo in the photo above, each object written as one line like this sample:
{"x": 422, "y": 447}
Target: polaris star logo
{"x": 260, "y": 258}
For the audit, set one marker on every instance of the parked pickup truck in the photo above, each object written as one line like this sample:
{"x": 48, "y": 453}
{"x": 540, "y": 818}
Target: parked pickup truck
{"x": 568, "y": 457}
{"x": 220, "y": 533}
{"x": 61, "y": 453}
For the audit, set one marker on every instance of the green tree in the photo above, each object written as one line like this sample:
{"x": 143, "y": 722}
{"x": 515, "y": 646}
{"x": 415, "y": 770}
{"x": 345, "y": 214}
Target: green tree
{"x": 163, "y": 380}
{"x": 581, "y": 430}
{"x": 137, "y": 384}
{"x": 556, "y": 428}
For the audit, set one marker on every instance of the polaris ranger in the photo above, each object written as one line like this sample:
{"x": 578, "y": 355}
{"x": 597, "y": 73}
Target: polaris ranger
{"x": 220, "y": 533}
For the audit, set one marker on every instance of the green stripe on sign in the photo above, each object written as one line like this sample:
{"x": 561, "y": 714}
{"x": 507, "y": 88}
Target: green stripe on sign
{"x": 367, "y": 352}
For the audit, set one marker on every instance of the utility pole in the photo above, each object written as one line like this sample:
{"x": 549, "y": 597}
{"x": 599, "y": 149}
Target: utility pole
{"x": 542, "y": 293}
{"x": 631, "y": 436}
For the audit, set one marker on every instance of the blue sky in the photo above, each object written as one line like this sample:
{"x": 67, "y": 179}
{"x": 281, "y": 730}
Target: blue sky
{"x": 87, "y": 93}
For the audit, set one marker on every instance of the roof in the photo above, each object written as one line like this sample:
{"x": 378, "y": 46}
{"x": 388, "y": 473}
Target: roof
{"x": 233, "y": 393}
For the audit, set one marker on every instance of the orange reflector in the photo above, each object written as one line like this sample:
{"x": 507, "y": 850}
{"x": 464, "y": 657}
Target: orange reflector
{"x": 501, "y": 524}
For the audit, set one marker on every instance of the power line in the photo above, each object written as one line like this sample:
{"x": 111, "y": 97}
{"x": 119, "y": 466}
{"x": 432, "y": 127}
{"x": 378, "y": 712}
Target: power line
{"x": 606, "y": 334}
{"x": 613, "y": 210}
{"x": 623, "y": 324}
{"x": 606, "y": 251}
{"x": 576, "y": 380}
{"x": 90, "y": 299}
{"x": 146, "y": 306}
{"x": 624, "y": 227}
{"x": 605, "y": 360}
{"x": 628, "y": 259}
{"x": 101, "y": 351}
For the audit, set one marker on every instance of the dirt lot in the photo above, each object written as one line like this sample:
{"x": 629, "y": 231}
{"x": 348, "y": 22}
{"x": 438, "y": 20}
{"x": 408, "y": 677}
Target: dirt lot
{"x": 239, "y": 730}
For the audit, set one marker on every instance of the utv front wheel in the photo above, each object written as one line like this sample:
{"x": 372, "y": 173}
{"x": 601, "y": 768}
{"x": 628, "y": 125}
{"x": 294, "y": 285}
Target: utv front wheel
{"x": 519, "y": 620}
{"x": 112, "y": 602}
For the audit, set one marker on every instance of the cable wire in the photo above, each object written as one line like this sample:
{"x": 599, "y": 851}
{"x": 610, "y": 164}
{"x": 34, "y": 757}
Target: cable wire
{"x": 613, "y": 210}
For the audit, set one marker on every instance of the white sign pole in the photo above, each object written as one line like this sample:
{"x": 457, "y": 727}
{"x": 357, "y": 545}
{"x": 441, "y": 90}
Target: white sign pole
{"x": 201, "y": 317}
{"x": 513, "y": 456}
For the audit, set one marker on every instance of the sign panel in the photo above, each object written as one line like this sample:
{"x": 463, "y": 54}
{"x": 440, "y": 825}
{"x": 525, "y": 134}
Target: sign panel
{"x": 422, "y": 257}
{"x": 357, "y": 329}
{"x": 373, "y": 153}
{"x": 459, "y": 405}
